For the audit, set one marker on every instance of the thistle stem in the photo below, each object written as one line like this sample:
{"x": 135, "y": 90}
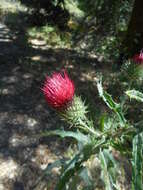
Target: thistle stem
{"x": 84, "y": 126}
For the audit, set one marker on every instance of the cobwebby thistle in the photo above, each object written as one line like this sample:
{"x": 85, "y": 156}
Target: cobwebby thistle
{"x": 58, "y": 90}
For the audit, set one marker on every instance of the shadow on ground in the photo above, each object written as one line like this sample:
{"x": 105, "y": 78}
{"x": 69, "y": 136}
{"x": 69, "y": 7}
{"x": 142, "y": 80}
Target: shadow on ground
{"x": 23, "y": 111}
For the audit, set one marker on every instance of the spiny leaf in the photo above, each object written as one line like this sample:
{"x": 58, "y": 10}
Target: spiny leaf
{"x": 76, "y": 164}
{"x": 73, "y": 166}
{"x": 110, "y": 102}
{"x": 104, "y": 167}
{"x": 109, "y": 169}
{"x": 137, "y": 162}
{"x": 106, "y": 97}
{"x": 80, "y": 137}
{"x": 134, "y": 94}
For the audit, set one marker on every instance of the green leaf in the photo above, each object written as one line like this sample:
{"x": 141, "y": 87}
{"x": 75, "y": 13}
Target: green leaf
{"x": 110, "y": 102}
{"x": 109, "y": 122}
{"x": 106, "y": 97}
{"x": 73, "y": 183}
{"x": 85, "y": 177}
{"x": 134, "y": 94}
{"x": 73, "y": 166}
{"x": 82, "y": 176}
{"x": 80, "y": 137}
{"x": 105, "y": 173}
{"x": 137, "y": 162}
{"x": 109, "y": 169}
{"x": 76, "y": 164}
{"x": 102, "y": 122}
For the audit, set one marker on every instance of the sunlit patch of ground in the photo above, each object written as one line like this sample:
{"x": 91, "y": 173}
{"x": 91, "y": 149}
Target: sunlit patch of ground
{"x": 9, "y": 170}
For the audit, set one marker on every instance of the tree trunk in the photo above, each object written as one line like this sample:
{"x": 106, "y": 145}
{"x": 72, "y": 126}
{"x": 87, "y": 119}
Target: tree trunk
{"x": 133, "y": 42}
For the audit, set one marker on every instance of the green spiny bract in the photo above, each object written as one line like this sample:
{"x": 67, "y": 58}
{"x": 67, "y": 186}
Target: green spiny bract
{"x": 75, "y": 112}
{"x": 132, "y": 70}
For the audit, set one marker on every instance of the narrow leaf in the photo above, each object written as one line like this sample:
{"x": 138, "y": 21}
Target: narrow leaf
{"x": 73, "y": 166}
{"x": 134, "y": 94}
{"x": 76, "y": 164}
{"x": 105, "y": 173}
{"x": 102, "y": 122}
{"x": 85, "y": 177}
{"x": 137, "y": 163}
{"x": 110, "y": 102}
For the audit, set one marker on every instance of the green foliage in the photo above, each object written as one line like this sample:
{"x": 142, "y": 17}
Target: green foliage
{"x": 76, "y": 164}
{"x": 80, "y": 137}
{"x": 103, "y": 27}
{"x": 109, "y": 169}
{"x": 109, "y": 46}
{"x": 115, "y": 132}
{"x": 73, "y": 8}
{"x": 137, "y": 162}
{"x": 134, "y": 94}
{"x": 110, "y": 102}
{"x": 132, "y": 71}
{"x": 82, "y": 23}
{"x": 51, "y": 35}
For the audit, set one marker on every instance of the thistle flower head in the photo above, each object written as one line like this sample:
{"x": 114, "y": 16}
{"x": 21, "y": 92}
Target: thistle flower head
{"x": 138, "y": 58}
{"x": 58, "y": 90}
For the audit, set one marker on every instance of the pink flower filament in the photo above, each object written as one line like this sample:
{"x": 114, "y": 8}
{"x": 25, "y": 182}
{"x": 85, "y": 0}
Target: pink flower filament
{"x": 58, "y": 90}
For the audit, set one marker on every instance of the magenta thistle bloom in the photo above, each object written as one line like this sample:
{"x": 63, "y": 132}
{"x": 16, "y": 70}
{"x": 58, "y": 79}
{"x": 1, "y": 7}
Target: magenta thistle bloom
{"x": 58, "y": 90}
{"x": 138, "y": 58}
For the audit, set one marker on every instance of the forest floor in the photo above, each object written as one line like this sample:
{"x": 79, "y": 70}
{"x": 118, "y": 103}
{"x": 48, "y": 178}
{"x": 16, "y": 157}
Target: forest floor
{"x": 24, "y": 113}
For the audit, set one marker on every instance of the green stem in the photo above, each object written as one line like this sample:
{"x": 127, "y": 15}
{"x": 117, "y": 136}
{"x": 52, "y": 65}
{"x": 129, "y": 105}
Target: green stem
{"x": 84, "y": 126}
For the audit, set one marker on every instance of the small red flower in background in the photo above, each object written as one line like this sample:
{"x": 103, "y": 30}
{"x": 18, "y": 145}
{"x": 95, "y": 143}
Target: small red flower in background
{"x": 138, "y": 58}
{"x": 58, "y": 90}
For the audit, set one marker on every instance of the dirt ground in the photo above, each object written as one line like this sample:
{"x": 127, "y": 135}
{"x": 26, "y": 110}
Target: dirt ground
{"x": 23, "y": 110}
